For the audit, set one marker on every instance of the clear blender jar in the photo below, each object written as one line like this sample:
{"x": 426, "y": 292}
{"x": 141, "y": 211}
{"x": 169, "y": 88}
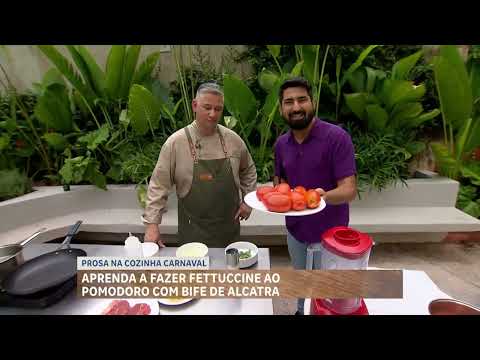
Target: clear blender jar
{"x": 341, "y": 248}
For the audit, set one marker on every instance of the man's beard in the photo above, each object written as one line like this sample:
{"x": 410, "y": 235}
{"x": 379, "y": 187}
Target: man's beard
{"x": 299, "y": 124}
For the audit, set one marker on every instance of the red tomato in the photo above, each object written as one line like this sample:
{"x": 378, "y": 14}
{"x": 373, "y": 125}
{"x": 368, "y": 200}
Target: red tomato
{"x": 278, "y": 203}
{"x": 301, "y": 190}
{"x": 267, "y": 195}
{"x": 262, "y": 190}
{"x": 284, "y": 188}
{"x": 298, "y": 201}
{"x": 313, "y": 199}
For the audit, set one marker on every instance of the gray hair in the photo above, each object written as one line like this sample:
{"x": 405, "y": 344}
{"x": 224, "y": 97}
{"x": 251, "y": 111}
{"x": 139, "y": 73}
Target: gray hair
{"x": 209, "y": 88}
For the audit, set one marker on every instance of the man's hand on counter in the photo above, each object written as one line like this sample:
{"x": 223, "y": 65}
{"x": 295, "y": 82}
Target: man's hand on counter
{"x": 152, "y": 234}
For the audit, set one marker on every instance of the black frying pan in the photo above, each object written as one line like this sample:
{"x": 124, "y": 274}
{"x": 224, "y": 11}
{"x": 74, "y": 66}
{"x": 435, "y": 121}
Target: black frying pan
{"x": 45, "y": 271}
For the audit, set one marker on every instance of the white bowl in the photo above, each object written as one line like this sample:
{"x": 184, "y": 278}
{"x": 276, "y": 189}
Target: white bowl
{"x": 244, "y": 245}
{"x": 193, "y": 249}
{"x": 149, "y": 249}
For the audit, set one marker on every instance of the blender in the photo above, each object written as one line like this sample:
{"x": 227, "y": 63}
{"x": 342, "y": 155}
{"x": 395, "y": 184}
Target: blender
{"x": 341, "y": 248}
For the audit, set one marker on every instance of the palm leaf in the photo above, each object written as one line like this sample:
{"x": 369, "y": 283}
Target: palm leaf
{"x": 97, "y": 75}
{"x": 453, "y": 86}
{"x": 472, "y": 172}
{"x": 146, "y": 67}
{"x": 66, "y": 68}
{"x": 446, "y": 163}
{"x": 114, "y": 70}
{"x": 131, "y": 60}
{"x": 357, "y": 63}
{"x": 81, "y": 65}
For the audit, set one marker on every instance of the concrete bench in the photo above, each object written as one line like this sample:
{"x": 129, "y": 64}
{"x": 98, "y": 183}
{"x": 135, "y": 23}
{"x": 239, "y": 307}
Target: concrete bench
{"x": 423, "y": 211}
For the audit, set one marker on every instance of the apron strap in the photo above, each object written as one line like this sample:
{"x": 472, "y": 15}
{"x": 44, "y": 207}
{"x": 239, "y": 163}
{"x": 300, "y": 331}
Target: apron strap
{"x": 192, "y": 147}
{"x": 222, "y": 141}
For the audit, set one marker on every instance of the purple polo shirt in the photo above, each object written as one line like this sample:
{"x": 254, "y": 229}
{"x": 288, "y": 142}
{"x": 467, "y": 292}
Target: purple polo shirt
{"x": 325, "y": 156}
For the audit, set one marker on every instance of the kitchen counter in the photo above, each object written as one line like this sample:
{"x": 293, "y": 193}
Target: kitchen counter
{"x": 73, "y": 305}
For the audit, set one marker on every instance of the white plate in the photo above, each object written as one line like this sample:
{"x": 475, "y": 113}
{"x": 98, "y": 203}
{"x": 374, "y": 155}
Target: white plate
{"x": 149, "y": 249}
{"x": 103, "y": 304}
{"x": 193, "y": 249}
{"x": 252, "y": 201}
{"x": 174, "y": 301}
{"x": 244, "y": 245}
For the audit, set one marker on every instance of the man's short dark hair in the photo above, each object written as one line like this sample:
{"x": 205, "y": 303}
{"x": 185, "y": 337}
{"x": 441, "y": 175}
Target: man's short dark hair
{"x": 295, "y": 82}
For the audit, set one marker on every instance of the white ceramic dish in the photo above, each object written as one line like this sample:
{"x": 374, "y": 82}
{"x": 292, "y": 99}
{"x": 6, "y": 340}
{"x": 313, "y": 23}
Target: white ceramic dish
{"x": 174, "y": 301}
{"x": 149, "y": 249}
{"x": 252, "y": 201}
{"x": 193, "y": 249}
{"x": 245, "y": 246}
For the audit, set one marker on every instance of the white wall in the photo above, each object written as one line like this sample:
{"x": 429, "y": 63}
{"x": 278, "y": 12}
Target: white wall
{"x": 25, "y": 64}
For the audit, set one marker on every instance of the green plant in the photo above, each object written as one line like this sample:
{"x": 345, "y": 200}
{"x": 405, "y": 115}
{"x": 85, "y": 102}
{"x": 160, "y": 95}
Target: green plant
{"x": 388, "y": 103}
{"x": 381, "y": 159}
{"x": 459, "y": 94}
{"x": 13, "y": 183}
{"x": 469, "y": 200}
{"x": 255, "y": 126}
{"x": 458, "y": 87}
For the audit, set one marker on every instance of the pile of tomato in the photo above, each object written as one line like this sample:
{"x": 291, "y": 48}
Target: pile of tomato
{"x": 282, "y": 198}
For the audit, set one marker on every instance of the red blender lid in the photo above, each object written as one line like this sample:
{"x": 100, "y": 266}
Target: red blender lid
{"x": 346, "y": 242}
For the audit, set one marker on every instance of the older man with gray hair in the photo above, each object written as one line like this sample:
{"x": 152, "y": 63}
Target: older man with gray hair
{"x": 212, "y": 171}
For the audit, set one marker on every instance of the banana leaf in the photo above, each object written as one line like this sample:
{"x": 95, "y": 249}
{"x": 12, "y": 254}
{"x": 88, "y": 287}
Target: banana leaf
{"x": 402, "y": 113}
{"x": 53, "y": 109}
{"x": 309, "y": 53}
{"x": 413, "y": 123}
{"x": 131, "y": 60}
{"x": 377, "y": 118}
{"x": 67, "y": 70}
{"x": 357, "y": 81}
{"x": 357, "y": 103}
{"x": 402, "y": 67}
{"x": 145, "y": 69}
{"x": 97, "y": 75}
{"x": 395, "y": 92}
{"x": 143, "y": 110}
{"x": 240, "y": 102}
{"x": 267, "y": 79}
{"x": 274, "y": 50}
{"x": 453, "y": 86}
{"x": 82, "y": 66}
{"x": 114, "y": 70}
{"x": 357, "y": 63}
